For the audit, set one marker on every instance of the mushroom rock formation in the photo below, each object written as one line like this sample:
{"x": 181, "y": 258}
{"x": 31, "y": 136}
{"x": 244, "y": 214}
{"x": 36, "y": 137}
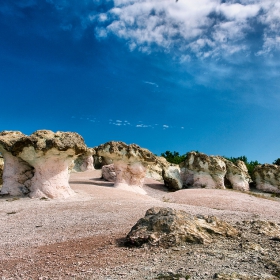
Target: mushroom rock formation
{"x": 84, "y": 162}
{"x": 130, "y": 162}
{"x": 172, "y": 178}
{"x": 200, "y": 170}
{"x": 237, "y": 175}
{"x": 108, "y": 172}
{"x": 167, "y": 227}
{"x": 267, "y": 178}
{"x": 16, "y": 173}
{"x": 50, "y": 154}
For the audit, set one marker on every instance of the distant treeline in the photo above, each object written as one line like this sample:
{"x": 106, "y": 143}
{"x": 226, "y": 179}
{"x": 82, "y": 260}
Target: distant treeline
{"x": 175, "y": 157}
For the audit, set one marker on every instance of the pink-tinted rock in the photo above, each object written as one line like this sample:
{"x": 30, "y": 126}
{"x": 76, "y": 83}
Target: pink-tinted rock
{"x": 130, "y": 163}
{"x": 50, "y": 154}
{"x": 108, "y": 172}
{"x": 130, "y": 177}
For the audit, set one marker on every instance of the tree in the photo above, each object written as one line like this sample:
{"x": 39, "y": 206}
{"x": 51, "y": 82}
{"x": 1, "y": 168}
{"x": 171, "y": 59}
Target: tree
{"x": 277, "y": 161}
{"x": 174, "y": 157}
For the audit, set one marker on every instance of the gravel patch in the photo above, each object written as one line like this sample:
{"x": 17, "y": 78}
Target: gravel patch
{"x": 83, "y": 237}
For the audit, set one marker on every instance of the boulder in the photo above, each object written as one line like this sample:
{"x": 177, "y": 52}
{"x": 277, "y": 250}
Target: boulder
{"x": 50, "y": 154}
{"x": 267, "y": 178}
{"x": 200, "y": 170}
{"x": 108, "y": 172}
{"x": 130, "y": 162}
{"x": 167, "y": 227}
{"x": 17, "y": 173}
{"x": 84, "y": 162}
{"x": 172, "y": 178}
{"x": 237, "y": 175}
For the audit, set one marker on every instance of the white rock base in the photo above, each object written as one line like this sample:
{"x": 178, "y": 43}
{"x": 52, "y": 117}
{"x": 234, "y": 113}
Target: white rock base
{"x": 130, "y": 177}
{"x": 51, "y": 179}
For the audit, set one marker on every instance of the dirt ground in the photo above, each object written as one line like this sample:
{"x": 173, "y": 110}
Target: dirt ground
{"x": 83, "y": 237}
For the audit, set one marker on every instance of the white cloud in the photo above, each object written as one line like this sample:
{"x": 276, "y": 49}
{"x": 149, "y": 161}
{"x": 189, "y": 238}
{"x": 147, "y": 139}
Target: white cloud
{"x": 203, "y": 28}
{"x": 165, "y": 126}
{"x": 237, "y": 11}
{"x": 143, "y": 125}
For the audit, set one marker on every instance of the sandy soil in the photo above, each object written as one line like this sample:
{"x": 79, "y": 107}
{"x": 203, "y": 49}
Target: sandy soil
{"x": 82, "y": 237}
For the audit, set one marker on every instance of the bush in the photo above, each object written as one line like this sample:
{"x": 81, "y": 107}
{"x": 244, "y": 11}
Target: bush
{"x": 277, "y": 162}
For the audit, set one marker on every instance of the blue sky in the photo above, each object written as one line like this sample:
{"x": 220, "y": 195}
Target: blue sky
{"x": 166, "y": 75}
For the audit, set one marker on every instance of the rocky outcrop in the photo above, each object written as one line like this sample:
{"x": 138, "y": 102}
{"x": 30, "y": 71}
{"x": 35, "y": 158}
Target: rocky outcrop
{"x": 108, "y": 172}
{"x": 237, "y": 175}
{"x": 17, "y": 173}
{"x": 84, "y": 162}
{"x": 50, "y": 154}
{"x": 267, "y": 178}
{"x": 214, "y": 172}
{"x": 200, "y": 170}
{"x": 167, "y": 227}
{"x": 172, "y": 178}
{"x": 133, "y": 163}
{"x": 130, "y": 162}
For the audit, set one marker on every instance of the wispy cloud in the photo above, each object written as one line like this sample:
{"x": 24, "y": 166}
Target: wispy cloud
{"x": 150, "y": 83}
{"x": 127, "y": 123}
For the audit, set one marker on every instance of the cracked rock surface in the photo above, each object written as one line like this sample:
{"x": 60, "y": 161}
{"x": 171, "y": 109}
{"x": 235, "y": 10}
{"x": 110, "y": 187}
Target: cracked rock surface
{"x": 17, "y": 173}
{"x": 267, "y": 177}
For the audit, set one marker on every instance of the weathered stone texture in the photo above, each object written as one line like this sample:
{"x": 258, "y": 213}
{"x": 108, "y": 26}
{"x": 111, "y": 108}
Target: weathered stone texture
{"x": 130, "y": 162}
{"x": 45, "y": 154}
{"x": 200, "y": 170}
{"x": 84, "y": 162}
{"x": 238, "y": 176}
{"x": 172, "y": 178}
{"x": 215, "y": 172}
{"x": 167, "y": 227}
{"x": 108, "y": 172}
{"x": 267, "y": 178}
{"x": 50, "y": 154}
{"x": 16, "y": 172}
